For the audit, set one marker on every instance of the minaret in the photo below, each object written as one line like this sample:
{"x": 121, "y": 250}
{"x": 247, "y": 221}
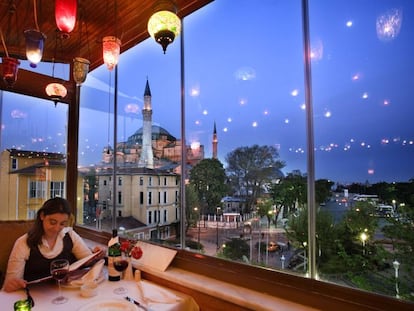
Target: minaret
{"x": 215, "y": 142}
{"x": 147, "y": 157}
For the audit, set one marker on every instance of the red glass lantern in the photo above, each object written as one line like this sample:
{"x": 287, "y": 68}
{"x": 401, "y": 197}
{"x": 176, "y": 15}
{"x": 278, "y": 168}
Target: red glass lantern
{"x": 65, "y": 15}
{"x": 10, "y": 68}
{"x": 111, "y": 48}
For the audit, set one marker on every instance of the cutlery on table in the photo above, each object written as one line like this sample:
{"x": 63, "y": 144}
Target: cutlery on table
{"x": 132, "y": 300}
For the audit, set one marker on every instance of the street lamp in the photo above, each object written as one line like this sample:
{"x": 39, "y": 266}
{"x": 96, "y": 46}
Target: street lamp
{"x": 217, "y": 229}
{"x": 363, "y": 237}
{"x": 198, "y": 228}
{"x": 282, "y": 259}
{"x": 305, "y": 260}
{"x": 267, "y": 237}
{"x": 396, "y": 266}
{"x": 247, "y": 229}
{"x": 272, "y": 214}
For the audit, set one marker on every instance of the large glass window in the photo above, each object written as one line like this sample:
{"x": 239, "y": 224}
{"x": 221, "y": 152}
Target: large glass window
{"x": 33, "y": 153}
{"x": 57, "y": 189}
{"x": 248, "y": 131}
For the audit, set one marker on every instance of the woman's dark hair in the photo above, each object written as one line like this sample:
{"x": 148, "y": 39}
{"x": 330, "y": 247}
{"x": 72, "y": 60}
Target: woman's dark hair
{"x": 51, "y": 206}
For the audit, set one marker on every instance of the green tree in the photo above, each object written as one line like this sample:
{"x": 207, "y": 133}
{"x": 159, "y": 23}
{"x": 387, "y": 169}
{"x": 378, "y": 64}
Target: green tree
{"x": 90, "y": 188}
{"x": 265, "y": 208}
{"x": 208, "y": 178}
{"x": 235, "y": 249}
{"x": 192, "y": 202}
{"x": 290, "y": 192}
{"x": 322, "y": 190}
{"x": 355, "y": 254}
{"x": 339, "y": 246}
{"x": 252, "y": 169}
{"x": 400, "y": 231}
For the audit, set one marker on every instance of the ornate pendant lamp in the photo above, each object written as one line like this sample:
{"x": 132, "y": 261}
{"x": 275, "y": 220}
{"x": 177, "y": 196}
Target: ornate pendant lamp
{"x": 164, "y": 25}
{"x": 56, "y": 91}
{"x": 34, "y": 46}
{"x": 80, "y": 70}
{"x": 10, "y": 68}
{"x": 111, "y": 48}
{"x": 65, "y": 15}
{"x": 10, "y": 65}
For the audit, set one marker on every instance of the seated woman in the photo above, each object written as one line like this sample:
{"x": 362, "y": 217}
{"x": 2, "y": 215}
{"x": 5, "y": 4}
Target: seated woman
{"x": 50, "y": 238}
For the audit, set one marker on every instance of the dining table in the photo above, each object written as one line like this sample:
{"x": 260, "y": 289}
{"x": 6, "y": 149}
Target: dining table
{"x": 142, "y": 294}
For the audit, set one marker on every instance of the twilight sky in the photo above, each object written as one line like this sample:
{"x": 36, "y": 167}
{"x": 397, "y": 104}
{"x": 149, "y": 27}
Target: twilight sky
{"x": 244, "y": 70}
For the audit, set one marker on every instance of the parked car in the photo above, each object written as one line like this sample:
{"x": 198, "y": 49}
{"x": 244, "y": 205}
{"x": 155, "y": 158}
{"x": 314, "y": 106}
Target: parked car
{"x": 385, "y": 210}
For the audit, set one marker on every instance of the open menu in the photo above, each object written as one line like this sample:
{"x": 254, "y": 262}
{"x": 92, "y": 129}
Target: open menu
{"x": 75, "y": 267}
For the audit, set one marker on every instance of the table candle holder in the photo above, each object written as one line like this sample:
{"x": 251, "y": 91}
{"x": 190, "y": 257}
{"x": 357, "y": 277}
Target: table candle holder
{"x": 22, "y": 305}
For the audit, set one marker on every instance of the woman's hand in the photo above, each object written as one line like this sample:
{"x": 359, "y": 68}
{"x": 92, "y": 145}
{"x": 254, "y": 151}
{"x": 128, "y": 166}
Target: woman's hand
{"x": 99, "y": 249}
{"x": 12, "y": 284}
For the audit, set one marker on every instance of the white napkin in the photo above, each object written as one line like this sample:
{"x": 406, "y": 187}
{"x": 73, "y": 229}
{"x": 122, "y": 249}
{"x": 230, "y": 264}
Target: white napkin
{"x": 151, "y": 293}
{"x": 92, "y": 276}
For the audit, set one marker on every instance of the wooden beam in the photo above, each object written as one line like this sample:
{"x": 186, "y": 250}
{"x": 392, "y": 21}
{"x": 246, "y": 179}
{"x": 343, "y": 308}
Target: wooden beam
{"x": 33, "y": 84}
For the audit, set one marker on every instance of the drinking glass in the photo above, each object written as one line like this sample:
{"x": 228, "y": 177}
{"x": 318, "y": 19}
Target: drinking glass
{"x": 59, "y": 268}
{"x": 120, "y": 264}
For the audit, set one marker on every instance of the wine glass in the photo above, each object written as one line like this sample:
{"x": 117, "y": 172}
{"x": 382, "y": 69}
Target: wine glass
{"x": 120, "y": 264}
{"x": 59, "y": 268}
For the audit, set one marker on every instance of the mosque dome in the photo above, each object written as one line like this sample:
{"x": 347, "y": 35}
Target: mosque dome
{"x": 157, "y": 133}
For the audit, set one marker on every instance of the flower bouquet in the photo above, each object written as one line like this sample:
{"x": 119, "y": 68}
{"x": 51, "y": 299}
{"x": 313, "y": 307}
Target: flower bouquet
{"x": 130, "y": 249}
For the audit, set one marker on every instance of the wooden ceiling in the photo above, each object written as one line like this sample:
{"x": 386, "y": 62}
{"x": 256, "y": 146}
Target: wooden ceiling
{"x": 125, "y": 19}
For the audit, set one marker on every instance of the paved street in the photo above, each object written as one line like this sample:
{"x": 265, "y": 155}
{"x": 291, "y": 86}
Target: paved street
{"x": 208, "y": 238}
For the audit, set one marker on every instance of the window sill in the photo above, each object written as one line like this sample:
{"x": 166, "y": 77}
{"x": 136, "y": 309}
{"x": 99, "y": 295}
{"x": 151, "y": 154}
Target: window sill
{"x": 221, "y": 291}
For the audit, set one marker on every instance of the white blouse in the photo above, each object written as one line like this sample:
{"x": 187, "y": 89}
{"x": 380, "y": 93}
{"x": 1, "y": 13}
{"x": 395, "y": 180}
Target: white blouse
{"x": 21, "y": 251}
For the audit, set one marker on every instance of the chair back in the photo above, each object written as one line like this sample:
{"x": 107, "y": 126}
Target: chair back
{"x": 10, "y": 231}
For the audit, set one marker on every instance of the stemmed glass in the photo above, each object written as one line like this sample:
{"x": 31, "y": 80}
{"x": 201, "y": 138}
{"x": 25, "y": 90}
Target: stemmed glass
{"x": 120, "y": 264}
{"x": 59, "y": 268}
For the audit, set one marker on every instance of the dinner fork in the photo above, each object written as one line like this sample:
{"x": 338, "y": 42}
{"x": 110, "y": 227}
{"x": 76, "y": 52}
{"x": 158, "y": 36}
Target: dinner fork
{"x": 29, "y": 297}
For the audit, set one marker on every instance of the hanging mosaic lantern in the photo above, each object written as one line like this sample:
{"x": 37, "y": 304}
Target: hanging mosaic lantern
{"x": 164, "y": 25}
{"x": 111, "y": 49}
{"x": 56, "y": 91}
{"x": 80, "y": 69}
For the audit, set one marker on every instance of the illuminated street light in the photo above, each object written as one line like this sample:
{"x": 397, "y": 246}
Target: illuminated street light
{"x": 198, "y": 227}
{"x": 363, "y": 236}
{"x": 217, "y": 231}
{"x": 305, "y": 260}
{"x": 396, "y": 266}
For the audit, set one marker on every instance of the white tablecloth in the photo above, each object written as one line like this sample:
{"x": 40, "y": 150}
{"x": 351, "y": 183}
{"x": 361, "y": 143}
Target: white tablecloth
{"x": 157, "y": 297}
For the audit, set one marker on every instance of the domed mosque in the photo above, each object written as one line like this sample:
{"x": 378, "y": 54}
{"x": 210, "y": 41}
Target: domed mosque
{"x": 165, "y": 149}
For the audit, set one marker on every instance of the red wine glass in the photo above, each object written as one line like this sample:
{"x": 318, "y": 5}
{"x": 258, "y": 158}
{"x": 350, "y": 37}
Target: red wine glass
{"x": 59, "y": 269}
{"x": 120, "y": 264}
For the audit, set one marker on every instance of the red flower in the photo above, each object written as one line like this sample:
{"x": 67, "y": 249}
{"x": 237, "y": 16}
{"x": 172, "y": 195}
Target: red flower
{"x": 125, "y": 246}
{"x": 136, "y": 252}
{"x": 130, "y": 249}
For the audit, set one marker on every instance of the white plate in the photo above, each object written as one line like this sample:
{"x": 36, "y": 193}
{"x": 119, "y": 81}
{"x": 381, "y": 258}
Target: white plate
{"x": 109, "y": 305}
